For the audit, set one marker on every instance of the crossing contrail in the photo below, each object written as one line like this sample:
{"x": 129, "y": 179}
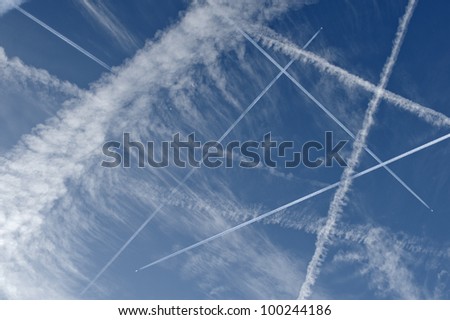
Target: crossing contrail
{"x": 190, "y": 173}
{"x": 339, "y": 200}
{"x": 65, "y": 39}
{"x": 427, "y": 114}
{"x": 265, "y": 90}
{"x": 333, "y": 117}
{"x": 299, "y": 200}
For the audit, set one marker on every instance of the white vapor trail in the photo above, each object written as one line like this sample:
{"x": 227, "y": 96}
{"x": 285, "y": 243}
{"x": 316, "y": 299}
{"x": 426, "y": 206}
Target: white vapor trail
{"x": 333, "y": 117}
{"x": 65, "y": 39}
{"x": 16, "y": 70}
{"x": 283, "y": 70}
{"x": 275, "y": 41}
{"x": 295, "y": 202}
{"x": 190, "y": 173}
{"x": 339, "y": 199}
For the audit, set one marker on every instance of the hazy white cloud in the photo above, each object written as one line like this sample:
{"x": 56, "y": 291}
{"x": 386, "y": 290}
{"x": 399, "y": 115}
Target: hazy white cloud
{"x": 388, "y": 267}
{"x": 63, "y": 38}
{"x": 386, "y": 264}
{"x": 442, "y": 288}
{"x": 6, "y": 5}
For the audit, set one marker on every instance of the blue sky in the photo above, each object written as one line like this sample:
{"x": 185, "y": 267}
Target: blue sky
{"x": 181, "y": 66}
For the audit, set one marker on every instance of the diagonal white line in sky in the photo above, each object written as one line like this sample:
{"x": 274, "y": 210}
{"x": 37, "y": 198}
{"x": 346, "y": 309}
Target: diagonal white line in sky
{"x": 332, "y": 116}
{"x": 427, "y": 114}
{"x": 283, "y": 70}
{"x": 338, "y": 202}
{"x": 191, "y": 172}
{"x": 295, "y": 202}
{"x": 62, "y": 37}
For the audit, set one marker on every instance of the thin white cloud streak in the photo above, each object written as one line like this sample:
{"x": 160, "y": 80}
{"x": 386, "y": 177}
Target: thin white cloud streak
{"x": 105, "y": 18}
{"x": 295, "y": 202}
{"x": 13, "y": 69}
{"x": 29, "y": 96}
{"x": 7, "y": 5}
{"x": 306, "y": 221}
{"x": 277, "y": 42}
{"x": 333, "y": 117}
{"x": 181, "y": 182}
{"x": 65, "y": 39}
{"x": 339, "y": 199}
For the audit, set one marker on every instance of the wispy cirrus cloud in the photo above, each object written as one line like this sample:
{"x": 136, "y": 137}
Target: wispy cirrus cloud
{"x": 388, "y": 265}
{"x": 63, "y": 216}
{"x": 378, "y": 255}
{"x": 13, "y": 69}
{"x": 220, "y": 9}
{"x": 47, "y": 173}
{"x": 102, "y": 15}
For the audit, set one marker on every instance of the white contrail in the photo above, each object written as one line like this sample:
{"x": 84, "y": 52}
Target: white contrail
{"x": 338, "y": 202}
{"x": 429, "y": 115}
{"x": 190, "y": 173}
{"x": 283, "y": 70}
{"x": 332, "y": 116}
{"x": 299, "y": 200}
{"x": 65, "y": 39}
